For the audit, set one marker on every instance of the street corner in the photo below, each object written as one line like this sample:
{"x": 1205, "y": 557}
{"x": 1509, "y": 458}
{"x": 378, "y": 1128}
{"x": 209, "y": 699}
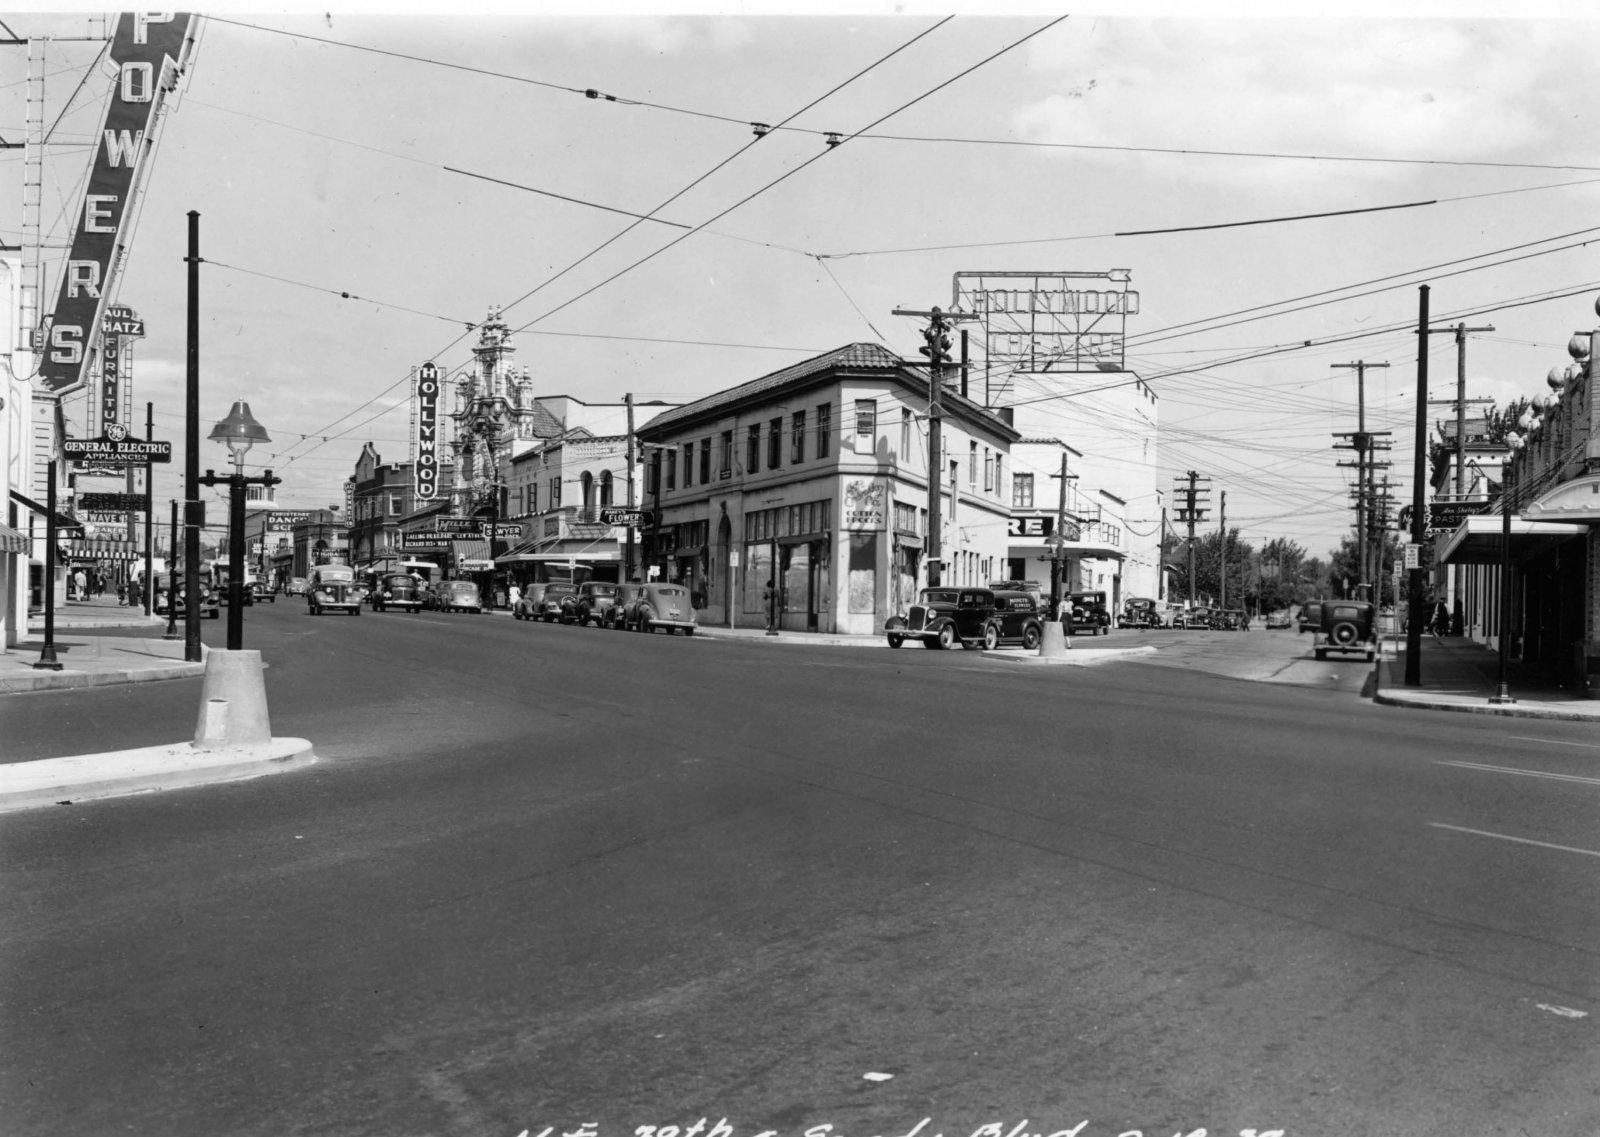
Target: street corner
{"x": 150, "y": 769}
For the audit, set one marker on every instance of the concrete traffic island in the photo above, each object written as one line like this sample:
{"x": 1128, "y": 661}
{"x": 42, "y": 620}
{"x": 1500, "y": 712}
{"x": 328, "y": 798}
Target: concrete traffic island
{"x": 1056, "y": 649}
{"x": 233, "y": 741}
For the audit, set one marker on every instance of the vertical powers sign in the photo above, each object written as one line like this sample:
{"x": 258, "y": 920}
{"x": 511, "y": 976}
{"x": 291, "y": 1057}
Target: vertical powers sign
{"x": 148, "y": 50}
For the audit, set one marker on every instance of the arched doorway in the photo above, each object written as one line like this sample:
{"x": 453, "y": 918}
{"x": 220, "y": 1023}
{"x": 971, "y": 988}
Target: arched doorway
{"x": 723, "y": 566}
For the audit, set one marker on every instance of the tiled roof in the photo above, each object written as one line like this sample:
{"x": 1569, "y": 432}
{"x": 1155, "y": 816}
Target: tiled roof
{"x": 855, "y": 356}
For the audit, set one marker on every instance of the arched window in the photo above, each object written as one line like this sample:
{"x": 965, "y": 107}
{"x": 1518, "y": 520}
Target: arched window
{"x": 605, "y": 487}
{"x": 588, "y": 490}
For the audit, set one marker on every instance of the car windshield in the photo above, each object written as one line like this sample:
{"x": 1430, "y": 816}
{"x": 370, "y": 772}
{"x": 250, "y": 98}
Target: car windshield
{"x": 938, "y": 596}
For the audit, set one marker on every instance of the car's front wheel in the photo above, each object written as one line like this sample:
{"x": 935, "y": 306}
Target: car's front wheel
{"x": 896, "y": 641}
{"x": 947, "y": 638}
{"x": 991, "y": 638}
{"x": 1031, "y": 636}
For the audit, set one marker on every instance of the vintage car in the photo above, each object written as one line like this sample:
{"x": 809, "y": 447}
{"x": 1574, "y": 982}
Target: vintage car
{"x": 1278, "y": 620}
{"x": 944, "y": 617}
{"x": 559, "y": 602}
{"x": 1346, "y": 626}
{"x": 398, "y": 590}
{"x": 595, "y": 600}
{"x": 262, "y": 592}
{"x": 297, "y": 586}
{"x": 1016, "y": 619}
{"x": 1089, "y": 613}
{"x": 1196, "y": 618}
{"x": 457, "y": 596}
{"x": 612, "y": 615}
{"x": 1310, "y": 616}
{"x": 333, "y": 589}
{"x": 663, "y": 606}
{"x": 1229, "y": 620}
{"x": 1140, "y": 612}
{"x": 209, "y": 606}
{"x": 527, "y": 605}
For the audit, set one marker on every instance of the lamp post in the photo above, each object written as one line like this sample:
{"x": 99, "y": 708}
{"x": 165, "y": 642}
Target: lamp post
{"x": 1502, "y": 692}
{"x": 239, "y": 431}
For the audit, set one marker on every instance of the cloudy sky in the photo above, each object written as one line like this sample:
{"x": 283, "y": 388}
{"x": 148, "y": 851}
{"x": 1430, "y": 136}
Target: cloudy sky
{"x": 369, "y": 186}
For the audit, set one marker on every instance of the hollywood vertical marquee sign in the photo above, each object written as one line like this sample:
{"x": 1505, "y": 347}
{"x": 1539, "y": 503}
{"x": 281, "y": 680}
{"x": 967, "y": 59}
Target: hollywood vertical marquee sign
{"x": 148, "y": 49}
{"x": 427, "y": 465}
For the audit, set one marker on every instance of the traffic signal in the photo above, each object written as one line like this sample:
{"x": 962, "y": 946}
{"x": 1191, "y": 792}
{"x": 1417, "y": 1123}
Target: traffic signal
{"x": 937, "y": 335}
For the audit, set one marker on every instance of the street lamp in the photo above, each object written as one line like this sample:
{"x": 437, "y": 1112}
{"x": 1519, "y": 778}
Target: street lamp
{"x": 1502, "y": 692}
{"x": 239, "y": 431}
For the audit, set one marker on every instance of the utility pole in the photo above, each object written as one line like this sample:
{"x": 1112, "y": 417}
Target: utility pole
{"x": 1419, "y": 479}
{"x": 627, "y": 563}
{"x": 1060, "y": 536}
{"x": 1460, "y": 332}
{"x": 937, "y": 348}
{"x": 1222, "y": 550}
{"x": 1192, "y": 512}
{"x": 1161, "y": 563}
{"x": 1362, "y": 443}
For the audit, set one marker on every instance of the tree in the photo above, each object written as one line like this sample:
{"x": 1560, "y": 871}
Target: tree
{"x": 1208, "y": 560}
{"x": 1280, "y": 567}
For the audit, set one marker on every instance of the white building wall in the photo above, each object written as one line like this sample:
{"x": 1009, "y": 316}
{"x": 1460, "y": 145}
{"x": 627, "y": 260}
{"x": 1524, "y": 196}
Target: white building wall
{"x": 16, "y": 450}
{"x": 1110, "y": 421}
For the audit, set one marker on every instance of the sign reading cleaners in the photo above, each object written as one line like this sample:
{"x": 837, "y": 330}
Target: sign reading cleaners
{"x": 427, "y": 467}
{"x": 144, "y": 47}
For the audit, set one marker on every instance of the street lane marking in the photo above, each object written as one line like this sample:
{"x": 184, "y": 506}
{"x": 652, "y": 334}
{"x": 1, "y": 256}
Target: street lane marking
{"x": 1518, "y": 840}
{"x": 1564, "y": 1012}
{"x": 1554, "y": 741}
{"x": 1524, "y": 773}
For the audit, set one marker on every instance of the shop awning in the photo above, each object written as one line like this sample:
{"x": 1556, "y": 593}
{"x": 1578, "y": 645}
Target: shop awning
{"x": 64, "y": 523}
{"x": 102, "y": 549}
{"x": 1069, "y": 549}
{"x": 1479, "y": 540}
{"x": 561, "y": 549}
{"x": 12, "y": 541}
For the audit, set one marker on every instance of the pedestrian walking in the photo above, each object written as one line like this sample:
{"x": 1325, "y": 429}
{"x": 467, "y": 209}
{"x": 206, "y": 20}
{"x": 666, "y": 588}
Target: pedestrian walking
{"x": 79, "y": 583}
{"x": 514, "y": 596}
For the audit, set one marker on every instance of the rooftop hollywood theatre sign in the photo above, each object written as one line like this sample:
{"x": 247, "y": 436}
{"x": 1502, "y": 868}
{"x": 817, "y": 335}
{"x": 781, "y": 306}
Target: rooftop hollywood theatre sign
{"x": 427, "y": 465}
{"x": 148, "y": 49}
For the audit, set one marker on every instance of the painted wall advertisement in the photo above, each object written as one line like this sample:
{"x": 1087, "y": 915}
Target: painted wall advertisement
{"x": 865, "y": 505}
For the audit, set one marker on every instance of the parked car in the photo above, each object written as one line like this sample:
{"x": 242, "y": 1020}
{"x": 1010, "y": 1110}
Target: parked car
{"x": 1278, "y": 620}
{"x": 333, "y": 589}
{"x": 595, "y": 599}
{"x": 944, "y": 617}
{"x": 263, "y": 592}
{"x": 209, "y": 607}
{"x": 398, "y": 590}
{"x": 297, "y": 586}
{"x": 527, "y": 605}
{"x": 1089, "y": 613}
{"x": 612, "y": 615}
{"x": 1197, "y": 618}
{"x": 1346, "y": 626}
{"x": 458, "y": 596}
{"x": 665, "y": 606}
{"x": 1016, "y": 619}
{"x": 560, "y": 602}
{"x": 1172, "y": 616}
{"x": 1229, "y": 620}
{"x": 1140, "y": 612}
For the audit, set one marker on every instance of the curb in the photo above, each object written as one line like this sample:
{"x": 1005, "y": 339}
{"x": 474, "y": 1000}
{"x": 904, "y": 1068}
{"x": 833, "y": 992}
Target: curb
{"x": 90, "y": 777}
{"x": 67, "y": 680}
{"x": 1074, "y": 657}
{"x": 1505, "y": 710}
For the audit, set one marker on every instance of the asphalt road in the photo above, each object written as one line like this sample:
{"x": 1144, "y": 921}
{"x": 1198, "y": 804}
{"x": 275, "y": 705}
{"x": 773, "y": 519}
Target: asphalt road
{"x": 546, "y": 876}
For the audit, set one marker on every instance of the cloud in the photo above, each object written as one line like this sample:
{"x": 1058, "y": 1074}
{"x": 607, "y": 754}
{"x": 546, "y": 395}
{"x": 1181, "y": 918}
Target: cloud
{"x": 1490, "y": 91}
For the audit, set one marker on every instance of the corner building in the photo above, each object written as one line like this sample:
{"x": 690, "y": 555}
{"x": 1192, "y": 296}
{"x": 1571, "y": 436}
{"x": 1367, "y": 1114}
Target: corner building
{"x": 816, "y": 477}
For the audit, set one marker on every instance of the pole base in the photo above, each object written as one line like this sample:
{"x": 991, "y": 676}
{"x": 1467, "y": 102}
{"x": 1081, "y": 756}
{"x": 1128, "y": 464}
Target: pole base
{"x": 1501, "y": 697}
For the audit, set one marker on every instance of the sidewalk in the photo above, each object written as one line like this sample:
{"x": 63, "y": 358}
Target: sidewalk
{"x": 1459, "y": 675}
{"x": 89, "y": 660}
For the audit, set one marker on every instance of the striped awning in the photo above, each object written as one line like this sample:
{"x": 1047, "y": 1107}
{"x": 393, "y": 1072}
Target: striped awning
{"x": 12, "y": 541}
{"x": 102, "y": 549}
